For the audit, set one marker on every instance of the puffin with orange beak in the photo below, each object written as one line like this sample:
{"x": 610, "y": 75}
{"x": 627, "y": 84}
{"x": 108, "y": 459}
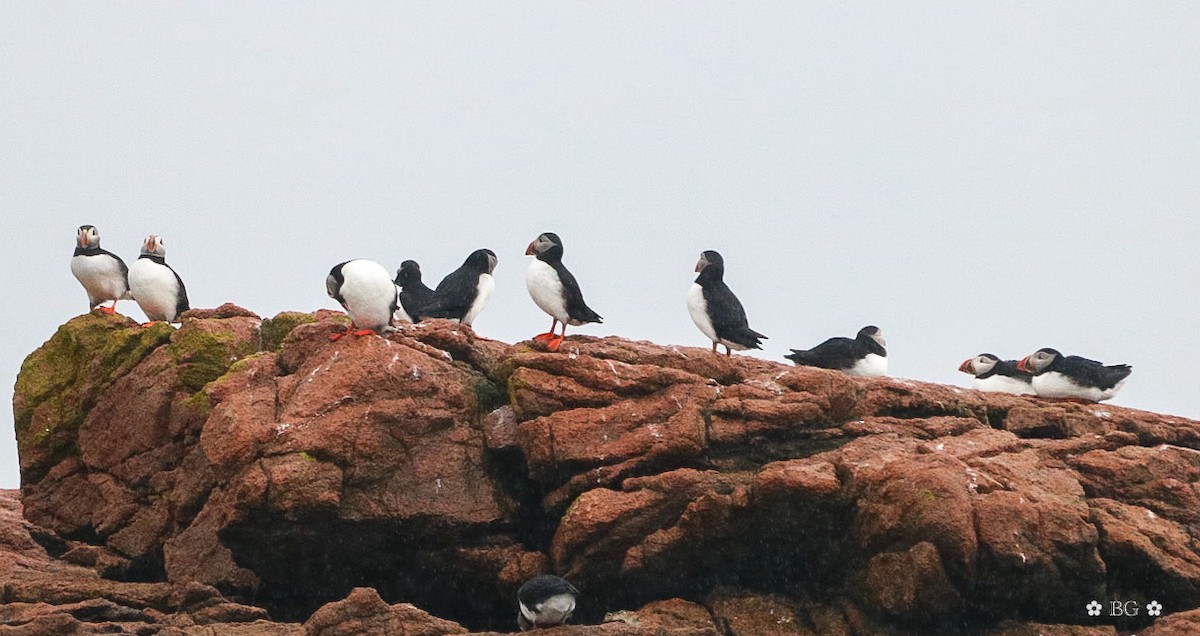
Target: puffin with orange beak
{"x": 994, "y": 375}
{"x": 155, "y": 286}
{"x": 554, "y": 289}
{"x": 104, "y": 275}
{"x": 716, "y": 311}
{"x": 1073, "y": 377}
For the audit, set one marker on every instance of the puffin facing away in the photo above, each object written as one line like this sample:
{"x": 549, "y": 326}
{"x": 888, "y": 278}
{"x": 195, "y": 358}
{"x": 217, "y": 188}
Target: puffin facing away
{"x": 865, "y": 354}
{"x": 103, "y": 274}
{"x": 156, "y": 287}
{"x": 463, "y": 293}
{"x": 554, "y": 289}
{"x": 545, "y": 601}
{"x": 716, "y": 311}
{"x": 414, "y": 294}
{"x": 998, "y": 376}
{"x": 366, "y": 292}
{"x": 1059, "y": 376}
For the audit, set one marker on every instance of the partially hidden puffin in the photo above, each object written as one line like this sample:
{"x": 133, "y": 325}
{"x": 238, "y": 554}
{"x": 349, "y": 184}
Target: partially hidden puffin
{"x": 158, "y": 290}
{"x": 367, "y": 293}
{"x": 414, "y": 294}
{"x": 864, "y": 354}
{"x": 103, "y": 274}
{"x": 1059, "y": 376}
{"x": 998, "y": 376}
{"x": 554, "y": 289}
{"x": 545, "y": 601}
{"x": 716, "y": 311}
{"x": 463, "y": 293}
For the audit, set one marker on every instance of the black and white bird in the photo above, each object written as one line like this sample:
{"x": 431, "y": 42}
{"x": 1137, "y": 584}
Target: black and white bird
{"x": 414, "y": 294}
{"x": 103, "y": 274}
{"x": 864, "y": 354}
{"x": 998, "y": 376}
{"x": 555, "y": 289}
{"x": 716, "y": 311}
{"x": 463, "y": 293}
{"x": 158, "y": 290}
{"x": 545, "y": 601}
{"x": 366, "y": 292}
{"x": 1059, "y": 376}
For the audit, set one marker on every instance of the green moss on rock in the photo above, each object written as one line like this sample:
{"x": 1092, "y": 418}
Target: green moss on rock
{"x": 204, "y": 356}
{"x": 274, "y": 330}
{"x": 60, "y": 381}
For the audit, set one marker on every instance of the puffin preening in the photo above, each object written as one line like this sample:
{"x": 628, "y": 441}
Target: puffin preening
{"x": 155, "y": 286}
{"x": 865, "y": 354}
{"x": 554, "y": 289}
{"x": 103, "y": 274}
{"x": 463, "y": 293}
{"x": 1073, "y": 377}
{"x": 545, "y": 601}
{"x": 414, "y": 294}
{"x": 998, "y": 376}
{"x": 716, "y": 311}
{"x": 366, "y": 292}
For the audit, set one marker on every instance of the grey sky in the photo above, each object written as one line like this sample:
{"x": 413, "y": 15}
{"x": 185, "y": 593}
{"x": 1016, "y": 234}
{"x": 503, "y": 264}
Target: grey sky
{"x": 970, "y": 177}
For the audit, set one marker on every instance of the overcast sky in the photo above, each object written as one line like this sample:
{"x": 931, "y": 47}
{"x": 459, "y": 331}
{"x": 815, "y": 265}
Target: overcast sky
{"x": 968, "y": 176}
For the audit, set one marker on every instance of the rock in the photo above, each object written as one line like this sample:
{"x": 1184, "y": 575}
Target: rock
{"x": 241, "y": 469}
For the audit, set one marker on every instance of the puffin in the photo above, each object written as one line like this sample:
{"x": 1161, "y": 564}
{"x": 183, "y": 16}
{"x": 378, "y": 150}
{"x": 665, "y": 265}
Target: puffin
{"x": 158, "y": 290}
{"x": 104, "y": 275}
{"x": 554, "y": 289}
{"x": 865, "y": 354}
{"x": 716, "y": 311}
{"x": 414, "y": 294}
{"x": 1074, "y": 377}
{"x": 998, "y": 376}
{"x": 545, "y": 601}
{"x": 366, "y": 292}
{"x": 463, "y": 293}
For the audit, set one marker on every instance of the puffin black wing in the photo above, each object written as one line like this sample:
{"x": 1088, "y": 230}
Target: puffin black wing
{"x": 835, "y": 353}
{"x": 576, "y": 308}
{"x": 453, "y": 296}
{"x": 181, "y": 301}
{"x": 729, "y": 317}
{"x": 1091, "y": 372}
{"x": 1007, "y": 368}
{"x": 414, "y": 293}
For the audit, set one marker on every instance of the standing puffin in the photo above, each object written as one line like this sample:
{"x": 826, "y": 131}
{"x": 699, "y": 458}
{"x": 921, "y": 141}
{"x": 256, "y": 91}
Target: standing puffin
{"x": 366, "y": 292}
{"x": 414, "y": 294}
{"x": 998, "y": 376}
{"x": 545, "y": 601}
{"x": 1059, "y": 376}
{"x": 865, "y": 354}
{"x": 554, "y": 289}
{"x": 156, "y": 287}
{"x": 103, "y": 274}
{"x": 716, "y": 311}
{"x": 463, "y": 293}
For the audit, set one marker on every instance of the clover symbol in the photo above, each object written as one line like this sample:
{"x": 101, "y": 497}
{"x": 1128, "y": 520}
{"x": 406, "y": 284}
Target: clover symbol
{"x": 1094, "y": 608}
{"x": 1154, "y": 608}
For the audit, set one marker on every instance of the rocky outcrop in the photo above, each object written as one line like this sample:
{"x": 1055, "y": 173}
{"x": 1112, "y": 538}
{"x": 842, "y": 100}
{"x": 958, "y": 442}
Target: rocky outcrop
{"x": 280, "y": 470}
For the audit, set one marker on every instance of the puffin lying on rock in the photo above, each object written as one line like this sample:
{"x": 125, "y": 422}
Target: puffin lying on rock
{"x": 1073, "y": 377}
{"x": 463, "y": 293}
{"x": 865, "y": 354}
{"x": 994, "y": 375}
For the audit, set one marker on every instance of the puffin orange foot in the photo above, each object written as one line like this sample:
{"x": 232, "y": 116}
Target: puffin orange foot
{"x": 109, "y": 310}
{"x": 542, "y": 337}
{"x": 554, "y": 343}
{"x": 147, "y": 324}
{"x": 364, "y": 332}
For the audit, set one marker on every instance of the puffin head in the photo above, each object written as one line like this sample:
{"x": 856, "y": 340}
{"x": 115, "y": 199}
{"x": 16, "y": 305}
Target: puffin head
{"x": 154, "y": 246}
{"x": 979, "y": 365}
{"x": 707, "y": 258}
{"x": 409, "y": 273}
{"x": 87, "y": 236}
{"x": 874, "y": 333}
{"x": 543, "y": 244}
{"x": 1039, "y": 362}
